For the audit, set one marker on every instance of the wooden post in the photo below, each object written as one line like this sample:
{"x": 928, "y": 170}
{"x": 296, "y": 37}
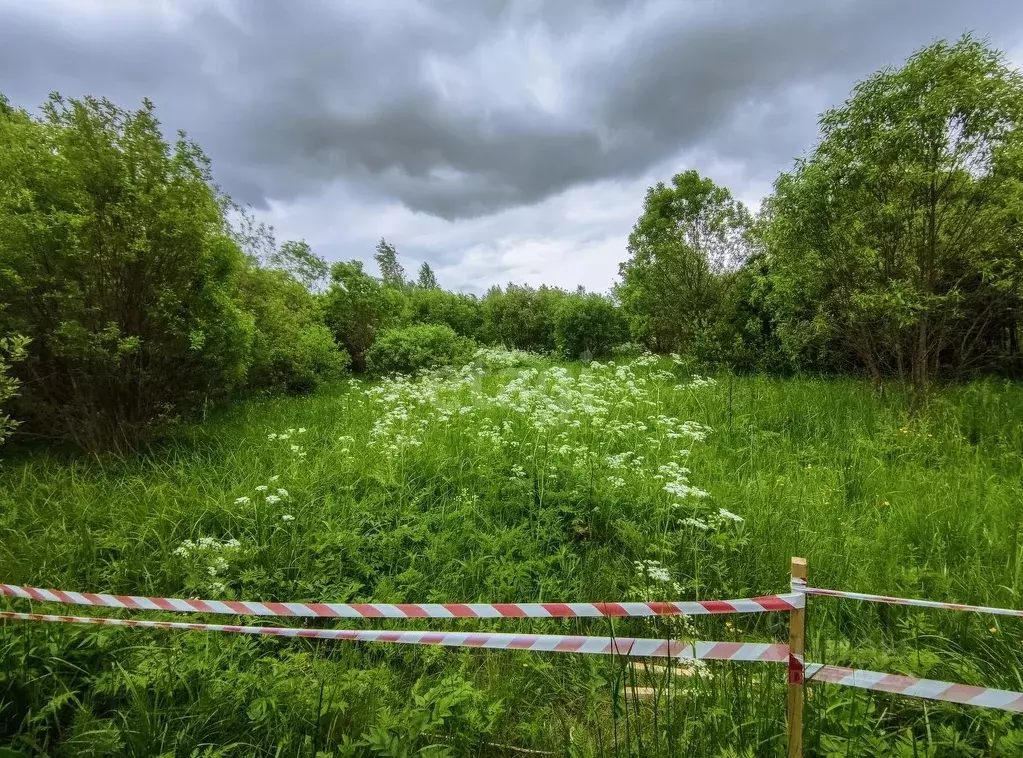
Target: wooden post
{"x": 797, "y": 645}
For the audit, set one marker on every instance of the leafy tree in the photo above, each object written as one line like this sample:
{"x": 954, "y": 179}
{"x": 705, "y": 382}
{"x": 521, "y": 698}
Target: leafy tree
{"x": 588, "y": 325}
{"x": 900, "y": 236}
{"x": 391, "y": 272}
{"x": 688, "y": 234}
{"x": 299, "y": 260}
{"x": 292, "y": 349}
{"x": 427, "y": 279}
{"x": 257, "y": 239}
{"x": 116, "y": 260}
{"x": 354, "y": 308}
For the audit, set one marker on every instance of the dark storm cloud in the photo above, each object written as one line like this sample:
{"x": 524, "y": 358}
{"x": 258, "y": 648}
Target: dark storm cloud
{"x": 462, "y": 109}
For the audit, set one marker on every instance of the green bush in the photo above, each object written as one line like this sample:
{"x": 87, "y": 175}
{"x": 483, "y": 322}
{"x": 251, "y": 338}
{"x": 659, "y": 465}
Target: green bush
{"x": 588, "y": 325}
{"x": 521, "y": 317}
{"x": 116, "y": 260}
{"x": 292, "y": 350}
{"x": 463, "y": 313}
{"x": 417, "y": 347}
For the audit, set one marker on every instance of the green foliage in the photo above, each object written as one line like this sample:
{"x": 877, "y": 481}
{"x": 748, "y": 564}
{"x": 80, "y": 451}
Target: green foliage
{"x": 588, "y": 325}
{"x": 741, "y": 334}
{"x": 521, "y": 317}
{"x": 410, "y": 348}
{"x": 463, "y": 313}
{"x": 523, "y": 485}
{"x": 292, "y": 349}
{"x": 12, "y": 350}
{"x": 427, "y": 279}
{"x": 118, "y": 264}
{"x": 391, "y": 272}
{"x": 899, "y": 237}
{"x": 355, "y": 307}
{"x": 687, "y": 235}
{"x": 299, "y": 260}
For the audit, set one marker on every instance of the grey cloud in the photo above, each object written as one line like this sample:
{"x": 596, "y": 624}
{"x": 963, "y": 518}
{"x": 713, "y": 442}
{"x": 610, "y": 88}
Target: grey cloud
{"x": 289, "y": 98}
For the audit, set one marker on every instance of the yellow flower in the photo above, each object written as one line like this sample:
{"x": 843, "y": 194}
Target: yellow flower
{"x": 993, "y": 630}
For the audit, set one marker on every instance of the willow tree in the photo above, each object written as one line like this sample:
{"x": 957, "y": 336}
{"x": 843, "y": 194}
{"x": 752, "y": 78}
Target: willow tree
{"x": 899, "y": 237}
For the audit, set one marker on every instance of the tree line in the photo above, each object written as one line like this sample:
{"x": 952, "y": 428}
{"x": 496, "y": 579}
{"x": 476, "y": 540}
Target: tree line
{"x": 133, "y": 291}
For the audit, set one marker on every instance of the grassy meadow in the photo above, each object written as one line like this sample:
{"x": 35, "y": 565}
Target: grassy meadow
{"x": 517, "y": 479}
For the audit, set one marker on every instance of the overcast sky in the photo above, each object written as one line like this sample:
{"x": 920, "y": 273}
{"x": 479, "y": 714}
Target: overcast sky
{"x": 500, "y": 140}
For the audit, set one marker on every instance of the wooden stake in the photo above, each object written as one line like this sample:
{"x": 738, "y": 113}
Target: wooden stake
{"x": 797, "y": 645}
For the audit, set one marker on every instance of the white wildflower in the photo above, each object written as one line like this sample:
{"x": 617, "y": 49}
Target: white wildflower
{"x": 271, "y": 499}
{"x": 262, "y": 488}
{"x": 654, "y": 570}
{"x": 282, "y": 492}
{"x": 695, "y": 523}
{"x": 287, "y": 517}
{"x": 729, "y": 515}
{"x": 241, "y": 500}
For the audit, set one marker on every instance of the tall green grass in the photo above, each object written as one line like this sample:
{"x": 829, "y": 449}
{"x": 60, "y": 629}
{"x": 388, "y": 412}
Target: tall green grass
{"x": 877, "y": 499}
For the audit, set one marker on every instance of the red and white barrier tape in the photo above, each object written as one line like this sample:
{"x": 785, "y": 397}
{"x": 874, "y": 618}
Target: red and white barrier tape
{"x": 411, "y": 610}
{"x": 549, "y": 643}
{"x": 802, "y": 588}
{"x": 925, "y": 688}
{"x": 624, "y": 646}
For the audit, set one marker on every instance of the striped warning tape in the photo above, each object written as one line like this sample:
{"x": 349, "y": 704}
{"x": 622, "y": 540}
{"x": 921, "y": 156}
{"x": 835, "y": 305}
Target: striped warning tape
{"x": 924, "y": 688}
{"x": 624, "y": 646}
{"x": 796, "y": 587}
{"x": 550, "y": 643}
{"x": 410, "y": 610}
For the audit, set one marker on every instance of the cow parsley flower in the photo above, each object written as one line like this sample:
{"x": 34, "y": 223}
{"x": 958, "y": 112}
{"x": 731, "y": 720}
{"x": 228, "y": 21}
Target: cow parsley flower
{"x": 272, "y": 499}
{"x": 262, "y": 488}
{"x": 241, "y": 500}
{"x": 287, "y": 517}
{"x": 654, "y": 570}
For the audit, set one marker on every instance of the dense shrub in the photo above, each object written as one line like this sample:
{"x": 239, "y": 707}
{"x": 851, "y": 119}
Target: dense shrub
{"x": 292, "y": 349}
{"x": 463, "y": 313}
{"x": 521, "y": 317}
{"x": 419, "y": 346}
{"x": 117, "y": 262}
{"x": 588, "y": 325}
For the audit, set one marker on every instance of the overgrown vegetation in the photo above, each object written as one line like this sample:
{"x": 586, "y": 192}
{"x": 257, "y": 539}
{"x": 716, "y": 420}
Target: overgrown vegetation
{"x": 144, "y": 314}
{"x": 539, "y": 483}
